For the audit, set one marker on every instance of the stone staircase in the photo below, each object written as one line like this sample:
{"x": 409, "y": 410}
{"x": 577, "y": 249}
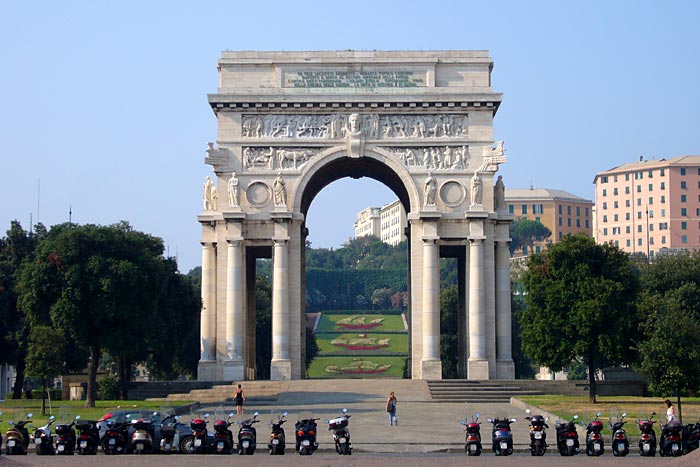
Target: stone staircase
{"x": 498, "y": 391}
{"x": 255, "y": 392}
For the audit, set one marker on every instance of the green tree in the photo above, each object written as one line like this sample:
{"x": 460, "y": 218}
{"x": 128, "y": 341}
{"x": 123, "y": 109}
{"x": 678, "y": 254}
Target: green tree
{"x": 580, "y": 304}
{"x": 449, "y": 307}
{"x": 525, "y": 232}
{"x": 100, "y": 285}
{"x": 669, "y": 350}
{"x": 45, "y": 356}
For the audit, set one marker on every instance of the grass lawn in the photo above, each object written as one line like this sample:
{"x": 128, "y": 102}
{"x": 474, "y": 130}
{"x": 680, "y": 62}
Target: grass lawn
{"x": 24, "y": 406}
{"x": 361, "y": 367}
{"x": 635, "y": 407}
{"x": 388, "y": 323}
{"x": 398, "y": 343}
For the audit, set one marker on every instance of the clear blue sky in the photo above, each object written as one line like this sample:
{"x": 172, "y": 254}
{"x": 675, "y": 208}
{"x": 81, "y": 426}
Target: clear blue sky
{"x": 104, "y": 104}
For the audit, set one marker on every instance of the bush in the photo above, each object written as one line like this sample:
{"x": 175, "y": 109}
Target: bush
{"x": 108, "y": 388}
{"x": 54, "y": 394}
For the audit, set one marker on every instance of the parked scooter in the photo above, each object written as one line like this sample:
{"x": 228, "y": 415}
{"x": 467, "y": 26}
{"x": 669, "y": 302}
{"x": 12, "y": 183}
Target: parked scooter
{"x": 671, "y": 442}
{"x": 223, "y": 437}
{"x": 65, "y": 434}
{"x": 277, "y": 439}
{"x": 594, "y": 439}
{"x": 538, "y": 434}
{"x": 502, "y": 436}
{"x": 305, "y": 431}
{"x": 691, "y": 437}
{"x": 647, "y": 438}
{"x": 247, "y": 435}
{"x": 170, "y": 437}
{"x": 200, "y": 435}
{"x": 17, "y": 437}
{"x": 567, "y": 437}
{"x": 43, "y": 439}
{"x": 142, "y": 435}
{"x": 116, "y": 438}
{"x": 88, "y": 437}
{"x": 472, "y": 437}
{"x": 620, "y": 443}
{"x": 341, "y": 433}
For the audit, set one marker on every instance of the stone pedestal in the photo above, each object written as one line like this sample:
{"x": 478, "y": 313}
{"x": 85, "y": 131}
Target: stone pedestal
{"x": 477, "y": 369}
{"x": 280, "y": 370}
{"x": 431, "y": 369}
{"x": 206, "y": 371}
{"x": 505, "y": 369}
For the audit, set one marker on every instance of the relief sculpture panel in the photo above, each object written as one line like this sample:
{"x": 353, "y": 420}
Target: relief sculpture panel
{"x": 276, "y": 158}
{"x": 433, "y": 157}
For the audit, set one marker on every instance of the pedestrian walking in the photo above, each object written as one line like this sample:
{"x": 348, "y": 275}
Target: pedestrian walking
{"x": 238, "y": 398}
{"x": 391, "y": 409}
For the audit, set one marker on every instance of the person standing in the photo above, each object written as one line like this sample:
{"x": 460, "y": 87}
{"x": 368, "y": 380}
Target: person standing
{"x": 391, "y": 409}
{"x": 670, "y": 411}
{"x": 238, "y": 398}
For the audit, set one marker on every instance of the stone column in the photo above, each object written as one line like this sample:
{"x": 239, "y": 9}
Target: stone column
{"x": 505, "y": 368}
{"x": 477, "y": 364}
{"x": 207, "y": 362}
{"x": 280, "y": 368}
{"x": 234, "y": 368}
{"x": 430, "y": 363}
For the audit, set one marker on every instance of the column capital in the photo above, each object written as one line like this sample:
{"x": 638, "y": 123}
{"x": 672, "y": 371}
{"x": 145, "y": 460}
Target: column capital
{"x": 280, "y": 240}
{"x": 234, "y": 241}
{"x": 476, "y": 239}
{"x": 208, "y": 244}
{"x": 430, "y": 239}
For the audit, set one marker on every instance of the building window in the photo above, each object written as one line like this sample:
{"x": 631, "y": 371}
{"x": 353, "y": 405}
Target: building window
{"x": 560, "y": 221}
{"x": 560, "y": 209}
{"x": 663, "y": 199}
{"x": 639, "y": 214}
{"x": 651, "y": 187}
{"x": 639, "y": 242}
{"x": 568, "y": 222}
{"x": 605, "y": 232}
{"x": 511, "y": 209}
{"x": 605, "y": 192}
{"x": 627, "y": 216}
{"x": 639, "y": 201}
{"x": 683, "y": 185}
{"x": 524, "y": 209}
{"x": 638, "y": 175}
{"x": 586, "y": 212}
{"x": 663, "y": 172}
{"x": 615, "y": 176}
{"x": 537, "y": 249}
{"x": 578, "y": 223}
{"x": 651, "y": 240}
{"x": 651, "y": 227}
{"x": 627, "y": 177}
{"x": 578, "y": 210}
{"x": 561, "y": 235}
{"x": 663, "y": 185}
{"x": 663, "y": 239}
{"x": 682, "y": 170}
{"x": 627, "y": 203}
{"x": 684, "y": 211}
{"x": 651, "y": 214}
{"x": 537, "y": 218}
{"x": 697, "y": 212}
{"x": 684, "y": 239}
{"x": 639, "y": 228}
{"x": 651, "y": 200}
{"x": 639, "y": 188}
{"x": 586, "y": 224}
{"x": 568, "y": 210}
{"x": 604, "y": 179}
{"x": 616, "y": 218}
{"x": 651, "y": 174}
{"x": 628, "y": 243}
{"x": 617, "y": 243}
{"x": 628, "y": 229}
{"x": 616, "y": 205}
{"x": 684, "y": 225}
{"x": 683, "y": 198}
{"x": 605, "y": 218}
{"x": 615, "y": 191}
{"x": 605, "y": 205}
{"x": 627, "y": 190}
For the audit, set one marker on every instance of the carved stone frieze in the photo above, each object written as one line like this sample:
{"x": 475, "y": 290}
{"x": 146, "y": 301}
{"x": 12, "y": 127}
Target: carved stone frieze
{"x": 433, "y": 157}
{"x": 371, "y": 126}
{"x": 276, "y": 158}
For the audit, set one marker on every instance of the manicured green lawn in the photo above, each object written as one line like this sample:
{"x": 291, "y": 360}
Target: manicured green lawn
{"x": 386, "y": 323}
{"x": 398, "y": 343}
{"x": 361, "y": 367}
{"x": 24, "y": 406}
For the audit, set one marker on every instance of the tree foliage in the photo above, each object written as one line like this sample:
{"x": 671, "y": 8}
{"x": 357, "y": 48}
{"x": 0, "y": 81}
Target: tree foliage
{"x": 669, "y": 350}
{"x": 580, "y": 304}
{"x": 45, "y": 356}
{"x": 525, "y": 232}
{"x": 449, "y": 325}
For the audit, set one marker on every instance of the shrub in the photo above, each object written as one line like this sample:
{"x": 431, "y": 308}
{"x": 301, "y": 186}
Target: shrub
{"x": 108, "y": 388}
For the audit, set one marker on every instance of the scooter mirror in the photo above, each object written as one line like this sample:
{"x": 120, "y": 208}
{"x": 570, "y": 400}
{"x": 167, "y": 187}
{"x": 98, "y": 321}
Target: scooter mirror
{"x": 345, "y": 410}
{"x": 206, "y": 415}
{"x": 599, "y": 414}
{"x": 29, "y": 415}
{"x": 256, "y": 414}
{"x": 284, "y": 414}
{"x": 52, "y": 418}
{"x": 528, "y": 411}
{"x": 327, "y": 421}
{"x": 176, "y": 418}
{"x": 513, "y": 420}
{"x": 240, "y": 422}
{"x": 231, "y": 415}
{"x": 624, "y": 414}
{"x": 477, "y": 415}
{"x": 462, "y": 422}
{"x": 77, "y": 417}
{"x": 490, "y": 420}
{"x": 653, "y": 413}
{"x": 575, "y": 417}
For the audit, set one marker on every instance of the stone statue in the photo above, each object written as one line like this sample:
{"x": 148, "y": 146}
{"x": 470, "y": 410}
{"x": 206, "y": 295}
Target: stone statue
{"x": 280, "y": 191}
{"x": 429, "y": 190}
{"x": 211, "y": 150}
{"x": 353, "y": 129}
{"x": 476, "y": 189}
{"x": 209, "y": 192}
{"x": 499, "y": 194}
{"x": 233, "y": 191}
{"x": 214, "y": 197}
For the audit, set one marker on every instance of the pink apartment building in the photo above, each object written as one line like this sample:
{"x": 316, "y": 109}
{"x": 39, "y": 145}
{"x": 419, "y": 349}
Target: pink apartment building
{"x": 649, "y": 207}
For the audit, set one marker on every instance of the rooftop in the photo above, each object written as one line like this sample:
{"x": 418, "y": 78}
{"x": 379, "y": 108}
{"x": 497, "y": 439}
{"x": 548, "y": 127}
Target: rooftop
{"x": 532, "y": 194}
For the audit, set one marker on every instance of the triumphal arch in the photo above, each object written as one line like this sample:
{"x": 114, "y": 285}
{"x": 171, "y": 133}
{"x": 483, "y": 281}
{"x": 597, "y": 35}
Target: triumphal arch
{"x": 289, "y": 124}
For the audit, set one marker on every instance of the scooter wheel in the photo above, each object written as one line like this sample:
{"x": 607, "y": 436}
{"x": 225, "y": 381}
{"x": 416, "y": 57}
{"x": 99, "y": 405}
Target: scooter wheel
{"x": 187, "y": 445}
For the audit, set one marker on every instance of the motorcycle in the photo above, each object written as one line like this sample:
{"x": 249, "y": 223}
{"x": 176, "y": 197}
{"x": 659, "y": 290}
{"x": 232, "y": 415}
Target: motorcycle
{"x": 17, "y": 437}
{"x": 305, "y": 431}
{"x": 594, "y": 439}
{"x": 116, "y": 438}
{"x": 88, "y": 437}
{"x": 247, "y": 435}
{"x": 620, "y": 443}
{"x": 142, "y": 435}
{"x": 538, "y": 435}
{"x": 472, "y": 437}
{"x": 341, "y": 433}
{"x": 671, "y": 442}
{"x": 691, "y": 437}
{"x": 169, "y": 436}
{"x": 502, "y": 436}
{"x": 647, "y": 438}
{"x": 200, "y": 435}
{"x": 277, "y": 439}
{"x": 65, "y": 434}
{"x": 43, "y": 439}
{"x": 567, "y": 437}
{"x": 223, "y": 437}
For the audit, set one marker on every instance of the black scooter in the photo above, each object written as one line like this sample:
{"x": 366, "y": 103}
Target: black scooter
{"x": 223, "y": 437}
{"x": 66, "y": 438}
{"x": 594, "y": 439}
{"x": 647, "y": 438}
{"x": 691, "y": 437}
{"x": 305, "y": 431}
{"x": 671, "y": 444}
{"x": 247, "y": 435}
{"x": 17, "y": 437}
{"x": 620, "y": 443}
{"x": 538, "y": 434}
{"x": 88, "y": 437}
{"x": 472, "y": 437}
{"x": 277, "y": 439}
{"x": 502, "y": 436}
{"x": 567, "y": 437}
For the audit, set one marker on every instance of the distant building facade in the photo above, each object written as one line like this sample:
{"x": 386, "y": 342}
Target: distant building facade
{"x": 561, "y": 212}
{"x": 387, "y": 223}
{"x": 650, "y": 207}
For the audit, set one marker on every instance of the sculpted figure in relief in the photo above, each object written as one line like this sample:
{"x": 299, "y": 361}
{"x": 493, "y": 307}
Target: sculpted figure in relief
{"x": 476, "y": 189}
{"x": 233, "y": 191}
{"x": 429, "y": 190}
{"x": 353, "y": 129}
{"x": 280, "y": 191}
{"x": 209, "y": 192}
{"x": 499, "y": 194}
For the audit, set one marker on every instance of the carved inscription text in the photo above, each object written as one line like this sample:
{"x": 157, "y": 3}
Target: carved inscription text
{"x": 353, "y": 79}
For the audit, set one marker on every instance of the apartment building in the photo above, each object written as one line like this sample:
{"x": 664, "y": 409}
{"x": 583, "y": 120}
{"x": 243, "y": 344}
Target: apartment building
{"x": 561, "y": 212}
{"x": 650, "y": 207}
{"x": 387, "y": 223}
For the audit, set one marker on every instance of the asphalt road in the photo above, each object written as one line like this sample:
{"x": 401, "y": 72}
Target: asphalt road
{"x": 359, "y": 459}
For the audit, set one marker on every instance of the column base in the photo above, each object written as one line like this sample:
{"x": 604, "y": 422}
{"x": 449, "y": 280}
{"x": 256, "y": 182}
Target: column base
{"x": 234, "y": 370}
{"x": 505, "y": 369}
{"x": 206, "y": 370}
{"x": 477, "y": 369}
{"x": 280, "y": 370}
{"x": 431, "y": 369}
